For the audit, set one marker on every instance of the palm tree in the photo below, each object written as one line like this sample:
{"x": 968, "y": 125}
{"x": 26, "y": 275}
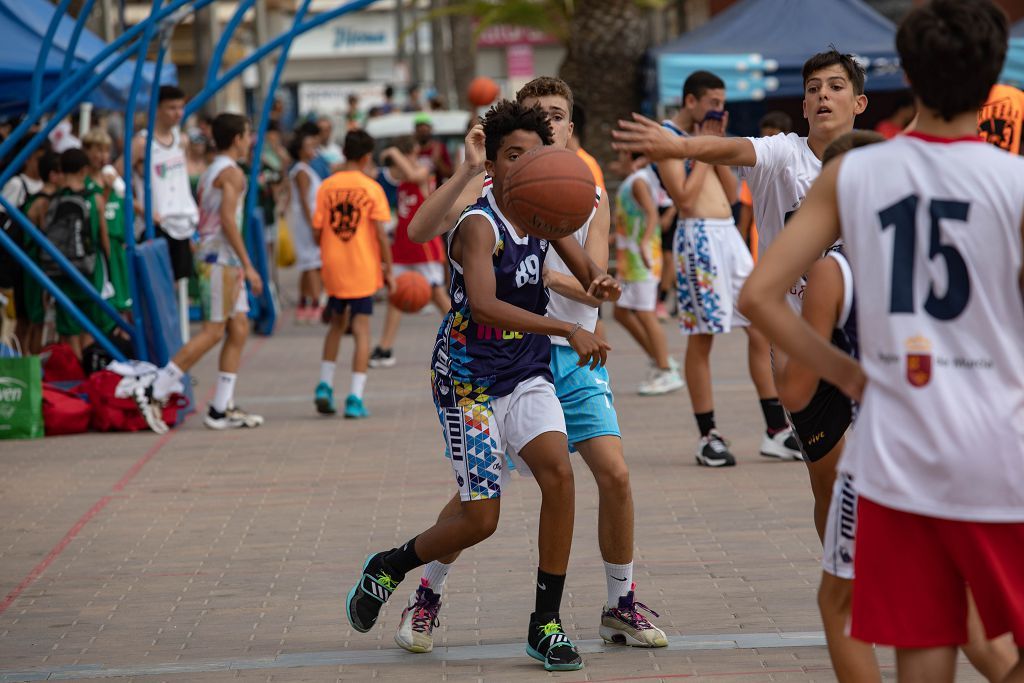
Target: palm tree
{"x": 605, "y": 41}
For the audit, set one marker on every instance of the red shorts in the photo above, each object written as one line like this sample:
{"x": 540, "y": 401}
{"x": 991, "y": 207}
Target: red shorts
{"x": 912, "y": 574}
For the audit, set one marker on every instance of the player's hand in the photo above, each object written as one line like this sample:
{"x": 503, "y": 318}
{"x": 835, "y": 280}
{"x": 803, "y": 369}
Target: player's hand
{"x": 254, "y": 280}
{"x": 475, "y": 152}
{"x": 645, "y": 257}
{"x": 389, "y": 151}
{"x": 591, "y": 350}
{"x": 714, "y": 126}
{"x": 649, "y": 137}
{"x": 853, "y": 384}
{"x": 604, "y": 288}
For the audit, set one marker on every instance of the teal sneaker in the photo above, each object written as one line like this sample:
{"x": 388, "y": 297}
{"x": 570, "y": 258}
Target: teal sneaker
{"x": 354, "y": 407}
{"x": 324, "y": 399}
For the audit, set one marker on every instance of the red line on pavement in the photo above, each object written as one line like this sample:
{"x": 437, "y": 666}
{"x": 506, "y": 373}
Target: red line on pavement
{"x": 38, "y": 570}
{"x": 57, "y": 549}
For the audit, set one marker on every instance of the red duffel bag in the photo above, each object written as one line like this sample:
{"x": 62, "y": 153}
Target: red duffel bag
{"x": 60, "y": 364}
{"x": 113, "y": 414}
{"x": 64, "y": 412}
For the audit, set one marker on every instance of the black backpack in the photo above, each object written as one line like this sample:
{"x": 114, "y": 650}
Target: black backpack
{"x": 10, "y": 269}
{"x": 69, "y": 229}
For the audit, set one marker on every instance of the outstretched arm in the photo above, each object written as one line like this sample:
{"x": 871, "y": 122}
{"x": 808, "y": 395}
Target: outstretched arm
{"x": 441, "y": 209}
{"x": 596, "y": 248}
{"x": 657, "y": 142}
{"x": 763, "y": 298}
{"x": 600, "y": 286}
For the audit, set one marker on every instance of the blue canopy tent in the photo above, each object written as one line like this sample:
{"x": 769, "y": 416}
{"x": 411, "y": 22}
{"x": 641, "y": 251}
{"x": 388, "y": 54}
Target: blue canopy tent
{"x": 25, "y": 23}
{"x": 766, "y": 43}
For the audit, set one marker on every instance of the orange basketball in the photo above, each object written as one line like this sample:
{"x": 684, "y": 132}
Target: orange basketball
{"x": 412, "y": 292}
{"x": 482, "y": 91}
{"x": 551, "y": 192}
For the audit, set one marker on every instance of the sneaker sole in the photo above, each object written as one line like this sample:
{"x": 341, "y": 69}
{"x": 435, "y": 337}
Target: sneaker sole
{"x": 616, "y": 637}
{"x": 352, "y": 594}
{"x": 552, "y": 667}
{"x": 662, "y": 392}
{"x": 410, "y": 647}
{"x": 782, "y": 455}
{"x": 324, "y": 407}
{"x": 711, "y": 463}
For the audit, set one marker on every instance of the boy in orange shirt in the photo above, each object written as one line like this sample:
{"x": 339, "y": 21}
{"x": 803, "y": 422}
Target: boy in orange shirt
{"x": 351, "y": 212}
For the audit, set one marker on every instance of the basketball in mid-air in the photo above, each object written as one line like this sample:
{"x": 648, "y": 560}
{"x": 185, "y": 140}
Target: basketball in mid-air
{"x": 550, "y": 192}
{"x": 482, "y": 91}
{"x": 412, "y": 292}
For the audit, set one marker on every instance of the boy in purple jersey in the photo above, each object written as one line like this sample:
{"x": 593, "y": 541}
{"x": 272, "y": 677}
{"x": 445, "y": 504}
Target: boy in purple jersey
{"x": 493, "y": 391}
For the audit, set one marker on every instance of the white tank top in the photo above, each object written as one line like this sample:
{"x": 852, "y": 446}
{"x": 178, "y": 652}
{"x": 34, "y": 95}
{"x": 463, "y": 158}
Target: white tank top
{"x": 297, "y": 219}
{"x": 172, "y": 195}
{"x": 213, "y": 247}
{"x": 933, "y": 232}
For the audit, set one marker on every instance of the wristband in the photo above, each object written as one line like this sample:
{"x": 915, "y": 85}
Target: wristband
{"x": 575, "y": 329}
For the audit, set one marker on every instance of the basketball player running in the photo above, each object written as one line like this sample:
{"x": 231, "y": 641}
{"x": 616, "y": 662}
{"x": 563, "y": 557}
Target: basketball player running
{"x": 584, "y": 393}
{"x": 712, "y": 262}
{"x": 493, "y": 392}
{"x": 941, "y": 491}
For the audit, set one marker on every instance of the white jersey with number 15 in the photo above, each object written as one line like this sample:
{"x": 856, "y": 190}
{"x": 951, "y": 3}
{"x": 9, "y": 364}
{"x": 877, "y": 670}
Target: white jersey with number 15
{"x": 933, "y": 231}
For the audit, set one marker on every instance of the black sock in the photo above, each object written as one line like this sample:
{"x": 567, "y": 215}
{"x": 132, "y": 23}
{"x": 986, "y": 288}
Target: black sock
{"x": 403, "y": 559}
{"x": 774, "y": 415}
{"x": 705, "y": 422}
{"x": 549, "y": 592}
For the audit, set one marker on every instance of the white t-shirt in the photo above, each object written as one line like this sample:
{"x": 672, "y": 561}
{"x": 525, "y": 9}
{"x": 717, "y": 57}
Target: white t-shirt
{"x": 21, "y": 187}
{"x": 778, "y": 181}
{"x": 932, "y": 229}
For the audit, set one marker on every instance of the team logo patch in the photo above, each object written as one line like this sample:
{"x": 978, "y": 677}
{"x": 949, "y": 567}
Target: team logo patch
{"x": 919, "y": 361}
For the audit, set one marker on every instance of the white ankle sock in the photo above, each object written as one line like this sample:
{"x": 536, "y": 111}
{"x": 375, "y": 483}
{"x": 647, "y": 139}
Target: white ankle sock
{"x": 619, "y": 578}
{"x": 434, "y": 573}
{"x": 166, "y": 378}
{"x": 358, "y": 384}
{"x": 327, "y": 372}
{"x": 225, "y": 391}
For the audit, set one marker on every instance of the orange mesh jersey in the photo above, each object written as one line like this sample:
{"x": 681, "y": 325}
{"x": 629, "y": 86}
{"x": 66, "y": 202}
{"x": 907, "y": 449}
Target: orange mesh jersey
{"x": 594, "y": 167}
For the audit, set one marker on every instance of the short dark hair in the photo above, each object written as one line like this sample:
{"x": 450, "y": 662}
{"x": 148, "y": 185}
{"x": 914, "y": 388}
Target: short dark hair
{"x": 169, "y": 92}
{"x": 358, "y": 143}
{"x": 506, "y": 117}
{"x": 73, "y": 160}
{"x": 852, "y": 140}
{"x": 405, "y": 144}
{"x": 48, "y": 163}
{"x": 389, "y": 91}
{"x": 699, "y": 82}
{"x": 952, "y": 52}
{"x": 776, "y": 119}
{"x": 579, "y": 122}
{"x": 831, "y": 57}
{"x": 298, "y": 138}
{"x": 227, "y": 127}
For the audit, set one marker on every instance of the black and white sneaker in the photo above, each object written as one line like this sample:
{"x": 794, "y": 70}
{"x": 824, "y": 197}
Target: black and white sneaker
{"x": 375, "y": 585}
{"x": 713, "y": 451}
{"x": 150, "y": 409}
{"x": 382, "y": 358}
{"x": 782, "y": 445}
{"x": 247, "y": 419}
{"x": 217, "y": 420}
{"x": 547, "y": 642}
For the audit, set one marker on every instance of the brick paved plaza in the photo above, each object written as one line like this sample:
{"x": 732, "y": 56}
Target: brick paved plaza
{"x": 208, "y": 556}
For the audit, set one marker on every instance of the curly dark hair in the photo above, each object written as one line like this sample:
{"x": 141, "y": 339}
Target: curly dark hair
{"x": 952, "y": 52}
{"x": 507, "y": 116}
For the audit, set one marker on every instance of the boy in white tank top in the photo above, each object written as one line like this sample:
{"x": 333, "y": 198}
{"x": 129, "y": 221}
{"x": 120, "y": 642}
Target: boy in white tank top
{"x": 224, "y": 268}
{"x": 936, "y": 245}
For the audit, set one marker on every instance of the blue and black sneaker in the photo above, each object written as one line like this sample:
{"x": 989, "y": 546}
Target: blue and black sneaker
{"x": 324, "y": 399}
{"x": 372, "y": 590}
{"x": 547, "y": 642}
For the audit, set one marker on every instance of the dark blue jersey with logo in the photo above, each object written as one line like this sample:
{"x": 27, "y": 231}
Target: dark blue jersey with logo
{"x": 473, "y": 362}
